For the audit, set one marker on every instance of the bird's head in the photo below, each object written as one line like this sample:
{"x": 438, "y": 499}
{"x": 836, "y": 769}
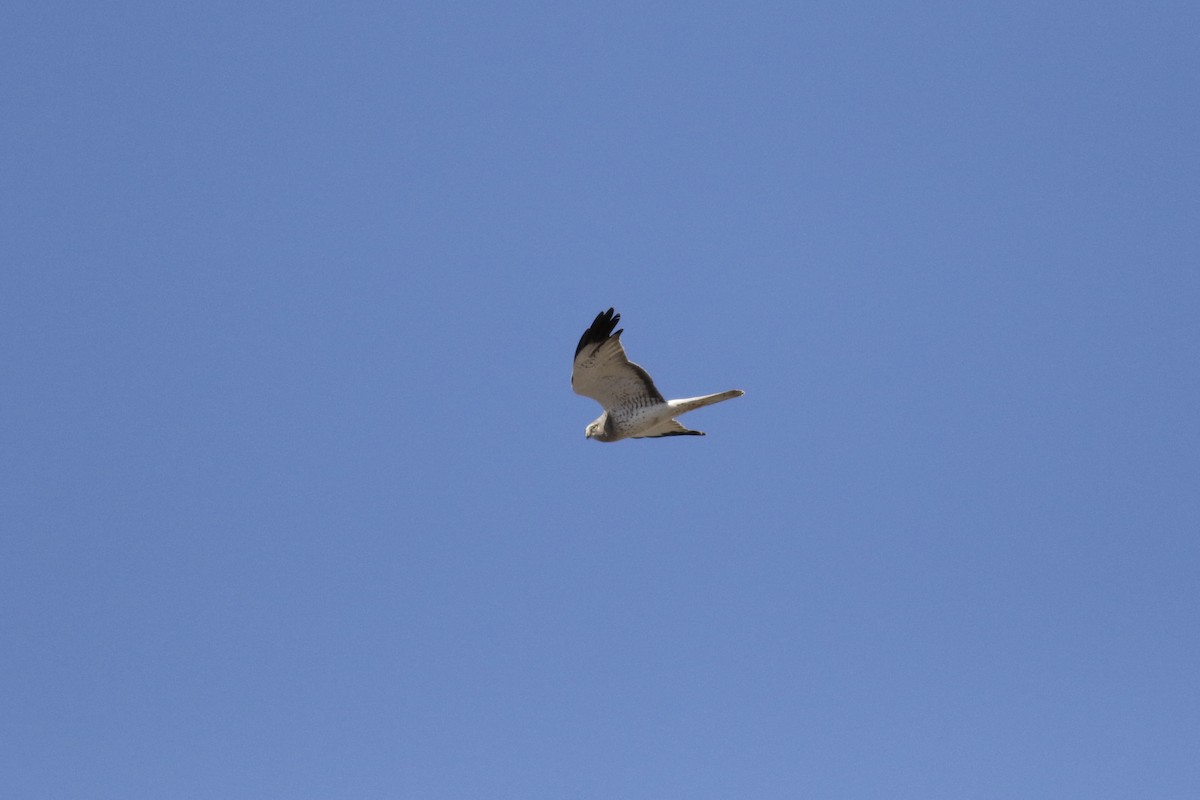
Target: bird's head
{"x": 595, "y": 429}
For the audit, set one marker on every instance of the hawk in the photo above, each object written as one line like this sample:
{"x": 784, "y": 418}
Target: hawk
{"x": 633, "y": 407}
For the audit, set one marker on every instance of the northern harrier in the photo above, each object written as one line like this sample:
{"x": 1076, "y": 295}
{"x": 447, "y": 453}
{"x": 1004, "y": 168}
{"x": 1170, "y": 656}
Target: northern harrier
{"x": 633, "y": 408}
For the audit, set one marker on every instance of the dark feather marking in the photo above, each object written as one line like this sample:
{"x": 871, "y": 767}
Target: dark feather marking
{"x": 673, "y": 433}
{"x": 601, "y": 328}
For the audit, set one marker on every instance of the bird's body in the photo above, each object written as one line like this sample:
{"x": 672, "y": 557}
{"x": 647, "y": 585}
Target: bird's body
{"x": 633, "y": 407}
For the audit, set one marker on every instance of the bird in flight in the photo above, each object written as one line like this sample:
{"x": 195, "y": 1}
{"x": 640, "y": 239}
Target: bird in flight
{"x": 633, "y": 407}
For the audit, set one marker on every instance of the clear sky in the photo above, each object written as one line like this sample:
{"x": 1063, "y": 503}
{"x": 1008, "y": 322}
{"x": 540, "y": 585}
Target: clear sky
{"x": 296, "y": 499}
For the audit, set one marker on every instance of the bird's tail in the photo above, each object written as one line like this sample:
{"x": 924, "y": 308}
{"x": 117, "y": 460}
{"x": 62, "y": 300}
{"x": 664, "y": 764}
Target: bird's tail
{"x": 692, "y": 403}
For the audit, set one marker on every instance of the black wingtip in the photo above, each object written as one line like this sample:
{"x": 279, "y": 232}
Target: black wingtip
{"x": 600, "y": 330}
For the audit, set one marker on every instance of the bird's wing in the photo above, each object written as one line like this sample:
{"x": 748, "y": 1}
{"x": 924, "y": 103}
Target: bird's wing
{"x": 670, "y": 427}
{"x": 604, "y": 373}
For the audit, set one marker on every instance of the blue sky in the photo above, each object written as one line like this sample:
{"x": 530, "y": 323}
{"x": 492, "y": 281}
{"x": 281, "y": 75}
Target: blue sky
{"x": 296, "y": 498}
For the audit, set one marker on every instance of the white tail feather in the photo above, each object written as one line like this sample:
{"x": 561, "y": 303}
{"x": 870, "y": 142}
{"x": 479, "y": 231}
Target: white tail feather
{"x": 692, "y": 403}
